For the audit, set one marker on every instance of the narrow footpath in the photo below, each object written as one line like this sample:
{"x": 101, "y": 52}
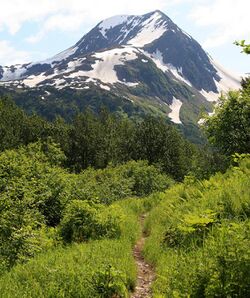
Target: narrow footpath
{"x": 145, "y": 272}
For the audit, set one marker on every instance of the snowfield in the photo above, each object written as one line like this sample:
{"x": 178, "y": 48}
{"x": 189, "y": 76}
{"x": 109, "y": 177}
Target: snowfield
{"x": 103, "y": 69}
{"x": 174, "y": 115}
{"x": 227, "y": 82}
{"x": 112, "y": 22}
{"x": 157, "y": 57}
{"x": 152, "y": 29}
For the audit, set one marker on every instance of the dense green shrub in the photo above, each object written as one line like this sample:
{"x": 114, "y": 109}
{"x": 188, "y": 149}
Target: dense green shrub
{"x": 120, "y": 182}
{"x": 146, "y": 179}
{"x": 109, "y": 282}
{"x": 231, "y": 122}
{"x": 83, "y": 221}
{"x": 33, "y": 193}
{"x": 36, "y": 193}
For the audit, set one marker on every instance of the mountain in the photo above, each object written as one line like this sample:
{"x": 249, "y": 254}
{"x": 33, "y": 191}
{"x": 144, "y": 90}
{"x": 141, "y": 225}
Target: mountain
{"x": 133, "y": 64}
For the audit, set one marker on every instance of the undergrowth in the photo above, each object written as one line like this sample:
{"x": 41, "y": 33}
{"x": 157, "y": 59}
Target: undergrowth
{"x": 200, "y": 237}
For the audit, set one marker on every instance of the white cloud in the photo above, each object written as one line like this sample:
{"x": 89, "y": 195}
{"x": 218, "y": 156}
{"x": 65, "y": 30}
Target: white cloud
{"x": 228, "y": 20}
{"x": 9, "y": 55}
{"x": 64, "y": 15}
{"x": 225, "y": 20}
{"x": 69, "y": 15}
{"x": 15, "y": 13}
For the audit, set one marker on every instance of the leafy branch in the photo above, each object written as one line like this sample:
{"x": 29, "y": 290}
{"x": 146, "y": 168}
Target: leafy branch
{"x": 245, "y": 47}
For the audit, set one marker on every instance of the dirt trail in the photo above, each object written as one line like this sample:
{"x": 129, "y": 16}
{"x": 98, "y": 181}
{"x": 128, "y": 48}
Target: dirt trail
{"x": 145, "y": 272}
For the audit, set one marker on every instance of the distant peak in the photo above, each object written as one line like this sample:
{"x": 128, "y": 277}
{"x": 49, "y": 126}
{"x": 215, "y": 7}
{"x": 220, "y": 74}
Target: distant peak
{"x": 113, "y": 21}
{"x": 157, "y": 11}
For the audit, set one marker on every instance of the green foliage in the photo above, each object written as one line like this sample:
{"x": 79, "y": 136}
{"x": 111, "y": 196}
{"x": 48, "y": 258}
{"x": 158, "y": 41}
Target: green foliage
{"x": 69, "y": 272}
{"x": 245, "y": 47}
{"x": 161, "y": 144}
{"x": 82, "y": 222}
{"x": 93, "y": 269}
{"x": 109, "y": 282}
{"x": 37, "y": 197}
{"x": 199, "y": 236}
{"x": 146, "y": 179}
{"x": 68, "y": 234}
{"x": 32, "y": 196}
{"x": 97, "y": 140}
{"x": 120, "y": 182}
{"x": 16, "y": 128}
{"x": 229, "y": 128}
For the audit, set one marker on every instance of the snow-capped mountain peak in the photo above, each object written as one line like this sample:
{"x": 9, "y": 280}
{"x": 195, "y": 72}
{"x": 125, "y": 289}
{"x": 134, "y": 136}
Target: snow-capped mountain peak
{"x": 146, "y": 56}
{"x": 111, "y": 23}
{"x": 135, "y": 30}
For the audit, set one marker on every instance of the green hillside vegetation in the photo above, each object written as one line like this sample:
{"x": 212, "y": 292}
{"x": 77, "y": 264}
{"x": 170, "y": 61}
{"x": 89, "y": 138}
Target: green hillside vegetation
{"x": 194, "y": 233}
{"x": 97, "y": 140}
{"x": 200, "y": 237}
{"x": 73, "y": 197}
{"x": 42, "y": 202}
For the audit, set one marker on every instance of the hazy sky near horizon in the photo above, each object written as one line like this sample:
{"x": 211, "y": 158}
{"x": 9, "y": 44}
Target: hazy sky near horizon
{"x": 33, "y": 31}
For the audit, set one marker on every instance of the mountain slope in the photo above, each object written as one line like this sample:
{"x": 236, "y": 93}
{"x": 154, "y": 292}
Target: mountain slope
{"x": 145, "y": 60}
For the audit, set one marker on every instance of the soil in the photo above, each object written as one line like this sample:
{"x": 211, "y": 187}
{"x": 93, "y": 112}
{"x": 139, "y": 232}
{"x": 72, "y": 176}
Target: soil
{"x": 145, "y": 272}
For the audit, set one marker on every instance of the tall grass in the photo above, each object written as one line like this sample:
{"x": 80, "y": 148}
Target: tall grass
{"x": 81, "y": 270}
{"x": 200, "y": 237}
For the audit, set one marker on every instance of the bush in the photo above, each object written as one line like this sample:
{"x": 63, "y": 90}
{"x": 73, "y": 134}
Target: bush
{"x": 83, "y": 221}
{"x": 115, "y": 183}
{"x": 230, "y": 122}
{"x": 33, "y": 193}
{"x": 109, "y": 282}
{"x": 146, "y": 178}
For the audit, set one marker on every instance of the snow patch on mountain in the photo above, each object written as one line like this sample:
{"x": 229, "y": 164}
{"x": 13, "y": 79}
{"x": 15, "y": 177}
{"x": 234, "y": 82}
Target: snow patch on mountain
{"x": 16, "y": 72}
{"x": 177, "y": 72}
{"x": 103, "y": 69}
{"x": 59, "y": 83}
{"x": 72, "y": 65}
{"x": 157, "y": 58}
{"x": 32, "y": 81}
{"x": 13, "y": 73}
{"x": 59, "y": 57}
{"x": 128, "y": 27}
{"x": 151, "y": 29}
{"x": 109, "y": 23}
{"x": 104, "y": 87}
{"x": 226, "y": 83}
{"x": 174, "y": 115}
{"x": 210, "y": 96}
{"x": 130, "y": 84}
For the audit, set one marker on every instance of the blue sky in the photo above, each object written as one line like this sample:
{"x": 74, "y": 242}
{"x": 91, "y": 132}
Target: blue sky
{"x": 35, "y": 30}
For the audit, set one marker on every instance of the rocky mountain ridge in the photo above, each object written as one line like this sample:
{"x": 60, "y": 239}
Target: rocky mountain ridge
{"x": 145, "y": 60}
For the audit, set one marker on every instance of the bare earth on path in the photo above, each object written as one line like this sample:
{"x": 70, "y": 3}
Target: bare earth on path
{"x": 145, "y": 272}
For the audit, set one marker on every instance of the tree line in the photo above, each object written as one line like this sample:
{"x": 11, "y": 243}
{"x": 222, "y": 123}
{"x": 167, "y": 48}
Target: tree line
{"x": 97, "y": 140}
